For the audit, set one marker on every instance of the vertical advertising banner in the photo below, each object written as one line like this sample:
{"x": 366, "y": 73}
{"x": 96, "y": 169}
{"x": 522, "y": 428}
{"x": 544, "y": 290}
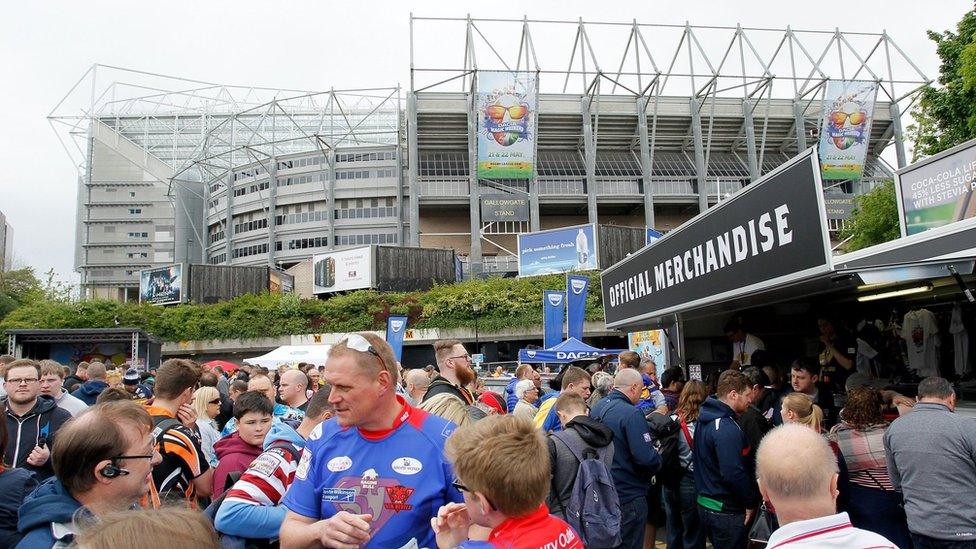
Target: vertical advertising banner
{"x": 554, "y": 311}
{"x": 938, "y": 190}
{"x": 506, "y": 110}
{"x": 577, "y": 287}
{"x": 557, "y": 251}
{"x": 396, "y": 327}
{"x": 650, "y": 345}
{"x": 652, "y": 237}
{"x": 845, "y": 130}
{"x": 162, "y": 285}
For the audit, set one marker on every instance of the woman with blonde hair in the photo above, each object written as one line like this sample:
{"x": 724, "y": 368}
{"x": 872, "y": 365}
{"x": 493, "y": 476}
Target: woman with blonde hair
{"x": 206, "y": 403}
{"x": 447, "y": 406}
{"x": 680, "y": 496}
{"x": 799, "y": 408}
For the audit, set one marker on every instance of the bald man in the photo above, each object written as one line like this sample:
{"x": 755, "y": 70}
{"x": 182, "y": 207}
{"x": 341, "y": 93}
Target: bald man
{"x": 634, "y": 458}
{"x": 417, "y": 382}
{"x": 797, "y": 474}
{"x": 262, "y": 383}
{"x": 291, "y": 389}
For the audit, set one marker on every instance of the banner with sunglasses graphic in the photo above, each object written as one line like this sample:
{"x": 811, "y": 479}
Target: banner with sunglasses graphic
{"x": 577, "y": 287}
{"x": 845, "y": 131}
{"x": 506, "y": 109}
{"x": 396, "y": 327}
{"x": 554, "y": 311}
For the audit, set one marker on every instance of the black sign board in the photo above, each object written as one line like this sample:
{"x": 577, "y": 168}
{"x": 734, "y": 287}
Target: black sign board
{"x": 772, "y": 232}
{"x": 504, "y": 207}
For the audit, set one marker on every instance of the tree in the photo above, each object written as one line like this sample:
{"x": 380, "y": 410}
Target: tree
{"x": 874, "y": 220}
{"x": 946, "y": 115}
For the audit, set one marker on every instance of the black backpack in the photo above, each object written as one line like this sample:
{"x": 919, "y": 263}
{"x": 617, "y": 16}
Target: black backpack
{"x": 666, "y": 429}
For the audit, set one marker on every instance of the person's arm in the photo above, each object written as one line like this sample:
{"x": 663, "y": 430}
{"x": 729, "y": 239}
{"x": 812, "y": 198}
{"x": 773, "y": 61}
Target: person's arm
{"x": 731, "y": 463}
{"x": 342, "y": 531}
{"x": 841, "y": 358}
{"x": 640, "y": 442}
{"x": 203, "y": 484}
{"x": 246, "y": 520}
{"x": 893, "y": 472}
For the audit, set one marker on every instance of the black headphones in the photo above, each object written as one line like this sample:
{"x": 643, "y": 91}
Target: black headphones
{"x": 112, "y": 470}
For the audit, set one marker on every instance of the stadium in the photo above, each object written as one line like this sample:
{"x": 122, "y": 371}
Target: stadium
{"x": 632, "y": 124}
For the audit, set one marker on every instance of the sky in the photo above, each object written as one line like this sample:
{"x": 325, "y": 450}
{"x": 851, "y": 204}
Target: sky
{"x": 45, "y": 48}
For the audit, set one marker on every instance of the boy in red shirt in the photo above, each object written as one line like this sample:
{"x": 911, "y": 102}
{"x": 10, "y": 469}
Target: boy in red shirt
{"x": 502, "y": 470}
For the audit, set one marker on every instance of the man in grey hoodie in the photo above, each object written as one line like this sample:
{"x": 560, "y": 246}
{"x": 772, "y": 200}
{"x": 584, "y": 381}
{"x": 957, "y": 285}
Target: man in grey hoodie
{"x": 580, "y": 430}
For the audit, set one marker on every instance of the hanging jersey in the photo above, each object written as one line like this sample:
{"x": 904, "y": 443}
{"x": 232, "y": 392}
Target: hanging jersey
{"x": 400, "y": 477}
{"x": 535, "y": 530}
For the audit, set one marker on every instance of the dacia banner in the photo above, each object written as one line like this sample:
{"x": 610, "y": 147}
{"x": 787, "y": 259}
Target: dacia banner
{"x": 506, "y": 109}
{"x": 938, "y": 190}
{"x": 396, "y": 327}
{"x": 773, "y": 232}
{"x": 557, "y": 251}
{"x": 554, "y": 312}
{"x": 162, "y": 285}
{"x": 577, "y": 287}
{"x": 845, "y": 132}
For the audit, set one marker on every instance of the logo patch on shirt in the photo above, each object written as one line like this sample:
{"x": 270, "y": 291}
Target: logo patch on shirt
{"x": 264, "y": 465}
{"x": 369, "y": 480}
{"x": 316, "y": 432}
{"x": 448, "y": 430}
{"x": 406, "y": 466}
{"x": 304, "y": 464}
{"x": 398, "y": 496}
{"x": 338, "y": 464}
{"x": 647, "y": 437}
{"x": 340, "y": 495}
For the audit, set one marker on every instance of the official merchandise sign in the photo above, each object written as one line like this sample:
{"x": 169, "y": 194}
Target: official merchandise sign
{"x": 938, "y": 190}
{"x": 162, "y": 285}
{"x": 558, "y": 251}
{"x": 350, "y": 269}
{"x": 504, "y": 207}
{"x": 772, "y": 232}
{"x": 506, "y": 109}
{"x": 845, "y": 129}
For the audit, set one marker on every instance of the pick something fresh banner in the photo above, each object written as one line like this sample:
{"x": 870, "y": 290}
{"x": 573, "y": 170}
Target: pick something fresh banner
{"x": 845, "y": 131}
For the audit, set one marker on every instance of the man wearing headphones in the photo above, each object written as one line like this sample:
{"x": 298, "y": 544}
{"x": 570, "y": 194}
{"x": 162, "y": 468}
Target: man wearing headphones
{"x": 103, "y": 462}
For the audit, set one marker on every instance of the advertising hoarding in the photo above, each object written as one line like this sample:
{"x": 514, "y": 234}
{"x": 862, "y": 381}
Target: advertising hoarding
{"x": 845, "y": 129}
{"x": 280, "y": 282}
{"x": 558, "y": 251}
{"x": 162, "y": 285}
{"x": 772, "y": 232}
{"x": 938, "y": 190}
{"x": 506, "y": 110}
{"x": 504, "y": 207}
{"x": 839, "y": 206}
{"x": 342, "y": 270}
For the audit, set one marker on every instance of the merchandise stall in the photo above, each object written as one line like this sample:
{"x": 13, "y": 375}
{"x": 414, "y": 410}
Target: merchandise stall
{"x": 904, "y": 308}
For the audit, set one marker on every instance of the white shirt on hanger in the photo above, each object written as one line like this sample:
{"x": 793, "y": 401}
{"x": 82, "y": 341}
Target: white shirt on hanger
{"x": 920, "y": 332}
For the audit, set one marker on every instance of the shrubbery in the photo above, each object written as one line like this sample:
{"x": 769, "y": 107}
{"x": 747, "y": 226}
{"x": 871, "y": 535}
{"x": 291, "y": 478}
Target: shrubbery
{"x": 502, "y": 303}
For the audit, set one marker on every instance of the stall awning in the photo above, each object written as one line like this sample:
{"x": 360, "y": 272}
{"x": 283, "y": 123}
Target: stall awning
{"x": 570, "y": 350}
{"x": 292, "y": 355}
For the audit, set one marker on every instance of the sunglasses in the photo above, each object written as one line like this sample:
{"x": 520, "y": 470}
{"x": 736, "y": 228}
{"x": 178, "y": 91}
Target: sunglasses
{"x": 856, "y": 118}
{"x": 359, "y": 343}
{"x": 214, "y": 401}
{"x": 462, "y": 488}
{"x": 515, "y": 112}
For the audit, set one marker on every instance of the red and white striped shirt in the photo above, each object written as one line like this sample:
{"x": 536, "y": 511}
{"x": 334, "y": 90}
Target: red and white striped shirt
{"x": 267, "y": 478}
{"x": 826, "y": 532}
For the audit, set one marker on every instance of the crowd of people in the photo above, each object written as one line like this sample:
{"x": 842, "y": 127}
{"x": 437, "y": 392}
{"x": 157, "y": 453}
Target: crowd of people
{"x": 360, "y": 452}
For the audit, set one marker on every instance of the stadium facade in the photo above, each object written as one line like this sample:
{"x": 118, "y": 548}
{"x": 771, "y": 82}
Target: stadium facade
{"x": 684, "y": 117}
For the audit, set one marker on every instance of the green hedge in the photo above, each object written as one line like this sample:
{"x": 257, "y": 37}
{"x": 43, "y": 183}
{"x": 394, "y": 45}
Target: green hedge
{"x": 502, "y": 303}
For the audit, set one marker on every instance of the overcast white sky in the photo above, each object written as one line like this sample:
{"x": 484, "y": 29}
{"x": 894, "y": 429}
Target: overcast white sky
{"x": 46, "y": 46}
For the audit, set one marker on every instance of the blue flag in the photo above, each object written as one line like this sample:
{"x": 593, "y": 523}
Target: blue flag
{"x": 554, "y": 311}
{"x": 396, "y": 327}
{"x": 577, "y": 287}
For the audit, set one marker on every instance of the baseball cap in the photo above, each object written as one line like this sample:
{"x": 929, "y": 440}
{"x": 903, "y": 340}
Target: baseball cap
{"x": 131, "y": 377}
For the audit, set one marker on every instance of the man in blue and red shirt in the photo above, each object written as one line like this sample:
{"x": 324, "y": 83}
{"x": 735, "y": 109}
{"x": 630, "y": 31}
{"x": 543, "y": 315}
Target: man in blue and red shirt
{"x": 374, "y": 474}
{"x": 502, "y": 470}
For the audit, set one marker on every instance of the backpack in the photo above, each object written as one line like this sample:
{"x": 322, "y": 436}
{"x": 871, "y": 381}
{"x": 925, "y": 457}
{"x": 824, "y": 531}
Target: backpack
{"x": 594, "y": 508}
{"x": 665, "y": 429}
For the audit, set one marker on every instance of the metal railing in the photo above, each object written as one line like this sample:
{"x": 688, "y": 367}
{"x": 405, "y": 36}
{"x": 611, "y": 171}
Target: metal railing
{"x": 446, "y": 187}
